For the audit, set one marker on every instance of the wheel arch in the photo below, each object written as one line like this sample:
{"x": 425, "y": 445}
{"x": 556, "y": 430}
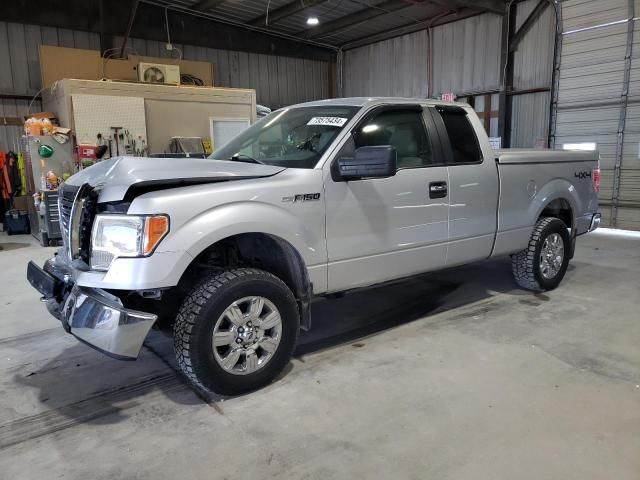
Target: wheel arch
{"x": 559, "y": 199}
{"x": 264, "y": 251}
{"x": 559, "y": 208}
{"x": 563, "y": 209}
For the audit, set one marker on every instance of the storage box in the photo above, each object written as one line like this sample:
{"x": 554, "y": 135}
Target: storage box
{"x": 16, "y": 222}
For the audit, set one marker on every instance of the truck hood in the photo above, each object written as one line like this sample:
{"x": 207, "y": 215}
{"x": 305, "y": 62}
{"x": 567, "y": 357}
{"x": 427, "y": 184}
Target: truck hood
{"x": 120, "y": 175}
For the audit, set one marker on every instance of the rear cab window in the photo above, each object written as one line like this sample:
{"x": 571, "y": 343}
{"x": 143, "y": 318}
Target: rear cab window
{"x": 455, "y": 126}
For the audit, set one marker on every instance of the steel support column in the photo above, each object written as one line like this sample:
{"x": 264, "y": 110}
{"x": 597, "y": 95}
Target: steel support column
{"x": 339, "y": 73}
{"x": 555, "y": 76}
{"x": 506, "y": 75}
{"x": 623, "y": 114}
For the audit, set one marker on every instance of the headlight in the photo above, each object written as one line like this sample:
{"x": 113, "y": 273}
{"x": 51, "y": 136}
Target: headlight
{"x": 116, "y": 236}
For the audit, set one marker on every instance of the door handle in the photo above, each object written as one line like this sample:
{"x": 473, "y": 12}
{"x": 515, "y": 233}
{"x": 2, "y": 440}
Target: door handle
{"x": 437, "y": 189}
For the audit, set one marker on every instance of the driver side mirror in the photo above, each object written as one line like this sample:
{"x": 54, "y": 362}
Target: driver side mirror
{"x": 368, "y": 162}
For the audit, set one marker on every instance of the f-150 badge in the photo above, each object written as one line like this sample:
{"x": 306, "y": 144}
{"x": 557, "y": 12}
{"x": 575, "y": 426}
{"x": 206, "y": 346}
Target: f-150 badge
{"x": 302, "y": 197}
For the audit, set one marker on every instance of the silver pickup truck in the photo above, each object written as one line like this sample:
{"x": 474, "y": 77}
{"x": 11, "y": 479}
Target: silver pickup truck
{"x": 314, "y": 199}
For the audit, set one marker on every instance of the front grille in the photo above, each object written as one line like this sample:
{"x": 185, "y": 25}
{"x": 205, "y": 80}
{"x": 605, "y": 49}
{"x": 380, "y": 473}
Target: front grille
{"x": 65, "y": 202}
{"x": 89, "y": 207}
{"x": 76, "y": 225}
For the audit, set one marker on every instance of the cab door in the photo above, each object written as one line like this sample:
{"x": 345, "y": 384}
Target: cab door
{"x": 385, "y": 228}
{"x": 473, "y": 184}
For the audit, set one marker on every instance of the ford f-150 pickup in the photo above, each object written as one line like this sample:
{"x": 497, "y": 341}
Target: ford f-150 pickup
{"x": 314, "y": 199}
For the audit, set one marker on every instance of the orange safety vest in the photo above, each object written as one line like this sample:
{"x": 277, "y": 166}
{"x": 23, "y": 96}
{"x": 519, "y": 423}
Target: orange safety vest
{"x": 5, "y": 184}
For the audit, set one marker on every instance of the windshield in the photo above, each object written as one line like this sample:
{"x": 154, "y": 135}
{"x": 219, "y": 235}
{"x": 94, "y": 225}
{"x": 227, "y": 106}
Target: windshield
{"x": 290, "y": 137}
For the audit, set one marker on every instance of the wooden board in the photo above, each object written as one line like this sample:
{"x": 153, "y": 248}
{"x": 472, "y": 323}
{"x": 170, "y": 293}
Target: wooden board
{"x": 57, "y": 63}
{"x": 116, "y": 69}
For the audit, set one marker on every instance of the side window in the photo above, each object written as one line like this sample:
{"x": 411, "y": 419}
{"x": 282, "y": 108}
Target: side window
{"x": 402, "y": 129}
{"x": 464, "y": 143}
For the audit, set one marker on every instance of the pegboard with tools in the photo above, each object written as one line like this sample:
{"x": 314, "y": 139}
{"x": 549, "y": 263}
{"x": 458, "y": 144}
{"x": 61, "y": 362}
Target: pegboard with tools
{"x": 115, "y": 125}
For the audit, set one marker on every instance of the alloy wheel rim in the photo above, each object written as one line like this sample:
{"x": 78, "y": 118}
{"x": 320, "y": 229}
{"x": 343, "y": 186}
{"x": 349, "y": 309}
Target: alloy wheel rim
{"x": 247, "y": 335}
{"x": 551, "y": 256}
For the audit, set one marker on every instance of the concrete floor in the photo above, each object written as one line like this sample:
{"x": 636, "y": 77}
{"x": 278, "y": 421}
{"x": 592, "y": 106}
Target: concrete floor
{"x": 454, "y": 375}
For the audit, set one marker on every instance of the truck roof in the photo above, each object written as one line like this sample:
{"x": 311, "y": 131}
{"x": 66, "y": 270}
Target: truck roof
{"x": 369, "y": 101}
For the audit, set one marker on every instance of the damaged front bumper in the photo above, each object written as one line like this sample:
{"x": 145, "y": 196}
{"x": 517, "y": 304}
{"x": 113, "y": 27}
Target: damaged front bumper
{"x": 92, "y": 315}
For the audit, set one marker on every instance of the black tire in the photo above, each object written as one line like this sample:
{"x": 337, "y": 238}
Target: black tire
{"x": 194, "y": 325}
{"x": 44, "y": 239}
{"x": 526, "y": 264}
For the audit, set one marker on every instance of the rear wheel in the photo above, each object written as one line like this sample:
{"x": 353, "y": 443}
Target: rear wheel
{"x": 236, "y": 331}
{"x": 542, "y": 265}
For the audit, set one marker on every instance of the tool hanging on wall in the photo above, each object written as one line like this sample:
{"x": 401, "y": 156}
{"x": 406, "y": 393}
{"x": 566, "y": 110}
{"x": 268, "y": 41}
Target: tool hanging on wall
{"x": 139, "y": 146}
{"x": 129, "y": 149}
{"x": 115, "y": 136}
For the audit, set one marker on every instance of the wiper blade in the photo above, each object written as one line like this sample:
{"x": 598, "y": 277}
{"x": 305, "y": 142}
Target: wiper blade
{"x": 244, "y": 158}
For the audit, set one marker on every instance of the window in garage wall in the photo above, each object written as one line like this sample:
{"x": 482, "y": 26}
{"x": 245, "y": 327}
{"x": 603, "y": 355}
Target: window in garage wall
{"x": 486, "y": 106}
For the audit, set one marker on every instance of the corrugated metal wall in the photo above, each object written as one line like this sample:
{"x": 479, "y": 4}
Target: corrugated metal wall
{"x": 597, "y": 68}
{"x": 278, "y": 81}
{"x": 466, "y": 59}
{"x": 533, "y": 60}
{"x": 530, "y": 120}
{"x": 532, "y": 69}
{"x": 466, "y": 55}
{"x": 395, "y": 67}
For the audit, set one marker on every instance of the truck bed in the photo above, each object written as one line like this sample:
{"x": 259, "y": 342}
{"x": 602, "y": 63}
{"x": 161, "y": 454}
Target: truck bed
{"x": 531, "y": 179}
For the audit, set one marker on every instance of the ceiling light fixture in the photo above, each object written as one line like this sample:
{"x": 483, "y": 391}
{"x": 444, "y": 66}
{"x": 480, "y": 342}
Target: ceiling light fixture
{"x": 313, "y": 21}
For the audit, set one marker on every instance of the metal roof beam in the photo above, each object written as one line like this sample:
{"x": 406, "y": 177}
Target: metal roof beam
{"x": 285, "y": 11}
{"x": 494, "y": 6}
{"x": 207, "y": 5}
{"x": 132, "y": 17}
{"x": 355, "y": 18}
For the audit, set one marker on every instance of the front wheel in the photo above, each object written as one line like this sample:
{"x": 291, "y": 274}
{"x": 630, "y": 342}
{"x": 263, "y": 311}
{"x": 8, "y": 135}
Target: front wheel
{"x": 542, "y": 265}
{"x": 236, "y": 331}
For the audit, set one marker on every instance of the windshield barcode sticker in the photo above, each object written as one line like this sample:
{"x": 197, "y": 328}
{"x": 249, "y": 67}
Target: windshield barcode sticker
{"x": 332, "y": 121}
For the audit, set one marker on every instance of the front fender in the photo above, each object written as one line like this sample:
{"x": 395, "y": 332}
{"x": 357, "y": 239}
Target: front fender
{"x": 227, "y": 220}
{"x": 303, "y": 232}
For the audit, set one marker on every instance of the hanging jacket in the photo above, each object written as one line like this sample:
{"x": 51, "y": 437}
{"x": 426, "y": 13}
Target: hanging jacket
{"x": 14, "y": 174}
